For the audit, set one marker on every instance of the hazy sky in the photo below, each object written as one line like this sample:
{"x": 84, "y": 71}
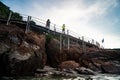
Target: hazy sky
{"x": 96, "y": 19}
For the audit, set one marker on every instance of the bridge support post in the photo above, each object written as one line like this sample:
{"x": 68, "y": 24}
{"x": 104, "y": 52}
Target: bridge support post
{"x": 92, "y": 41}
{"x": 60, "y": 43}
{"x": 68, "y": 40}
{"x": 54, "y": 29}
{"x": 28, "y": 24}
{"x": 83, "y": 44}
{"x": 9, "y": 18}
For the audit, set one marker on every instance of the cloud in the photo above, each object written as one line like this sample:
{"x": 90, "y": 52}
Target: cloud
{"x": 79, "y": 16}
{"x": 112, "y": 41}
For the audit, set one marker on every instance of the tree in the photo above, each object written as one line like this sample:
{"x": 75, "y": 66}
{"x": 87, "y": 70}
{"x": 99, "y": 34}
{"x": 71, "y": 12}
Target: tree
{"x": 32, "y": 23}
{"x": 16, "y": 16}
{"x": 5, "y": 11}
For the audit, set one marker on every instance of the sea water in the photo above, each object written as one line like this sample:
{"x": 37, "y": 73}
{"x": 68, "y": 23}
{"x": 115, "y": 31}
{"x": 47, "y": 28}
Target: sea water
{"x": 81, "y": 77}
{"x": 106, "y": 77}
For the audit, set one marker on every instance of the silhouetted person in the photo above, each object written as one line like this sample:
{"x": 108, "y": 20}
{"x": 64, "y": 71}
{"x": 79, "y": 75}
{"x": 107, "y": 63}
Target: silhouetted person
{"x": 48, "y": 24}
{"x": 63, "y": 28}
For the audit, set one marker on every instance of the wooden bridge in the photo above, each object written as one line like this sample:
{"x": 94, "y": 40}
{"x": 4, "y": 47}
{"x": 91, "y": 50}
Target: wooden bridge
{"x": 43, "y": 30}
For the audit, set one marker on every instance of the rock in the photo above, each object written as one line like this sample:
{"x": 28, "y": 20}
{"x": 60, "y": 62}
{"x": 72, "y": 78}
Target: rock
{"x": 89, "y": 78}
{"x": 68, "y": 65}
{"x": 63, "y": 74}
{"x": 4, "y": 48}
{"x": 53, "y": 52}
{"x": 56, "y": 57}
{"x": 109, "y": 67}
{"x": 69, "y": 71}
{"x": 91, "y": 49}
{"x": 74, "y": 53}
{"x": 105, "y": 61}
{"x": 83, "y": 70}
{"x": 20, "y": 53}
{"x": 49, "y": 69}
{"x": 89, "y": 64}
{"x": 79, "y": 78}
{"x": 40, "y": 71}
{"x": 38, "y": 44}
{"x": 6, "y": 78}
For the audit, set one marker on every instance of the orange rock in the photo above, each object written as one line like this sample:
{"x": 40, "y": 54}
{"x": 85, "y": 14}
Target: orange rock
{"x": 68, "y": 65}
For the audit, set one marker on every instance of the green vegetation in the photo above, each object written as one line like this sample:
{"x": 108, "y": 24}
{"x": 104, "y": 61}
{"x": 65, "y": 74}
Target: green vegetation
{"x": 5, "y": 11}
{"x": 48, "y": 38}
{"x": 32, "y": 23}
{"x": 16, "y": 16}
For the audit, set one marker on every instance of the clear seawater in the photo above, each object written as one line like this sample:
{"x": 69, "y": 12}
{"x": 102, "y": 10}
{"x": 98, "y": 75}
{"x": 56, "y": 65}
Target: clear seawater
{"x": 106, "y": 77}
{"x": 81, "y": 77}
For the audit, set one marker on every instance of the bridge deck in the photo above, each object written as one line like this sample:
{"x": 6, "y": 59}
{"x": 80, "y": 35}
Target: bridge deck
{"x": 42, "y": 29}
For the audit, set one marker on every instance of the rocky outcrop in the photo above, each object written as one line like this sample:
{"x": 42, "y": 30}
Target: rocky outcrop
{"x": 26, "y": 53}
{"x": 56, "y": 57}
{"x": 20, "y": 53}
{"x": 68, "y": 65}
{"x": 74, "y": 53}
{"x": 94, "y": 59}
{"x": 105, "y": 61}
{"x": 53, "y": 52}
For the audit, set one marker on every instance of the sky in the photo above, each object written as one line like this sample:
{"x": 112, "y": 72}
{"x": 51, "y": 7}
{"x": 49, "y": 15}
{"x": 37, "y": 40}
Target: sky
{"x": 96, "y": 19}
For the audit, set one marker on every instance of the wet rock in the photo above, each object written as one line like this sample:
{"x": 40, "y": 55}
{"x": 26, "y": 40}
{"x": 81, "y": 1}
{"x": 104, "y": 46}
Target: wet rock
{"x": 83, "y": 70}
{"x": 105, "y": 61}
{"x": 49, "y": 69}
{"x": 88, "y": 78}
{"x": 109, "y": 67}
{"x": 6, "y": 78}
{"x": 63, "y": 74}
{"x": 89, "y": 64}
{"x": 4, "y": 48}
{"x": 69, "y": 71}
{"x": 40, "y": 71}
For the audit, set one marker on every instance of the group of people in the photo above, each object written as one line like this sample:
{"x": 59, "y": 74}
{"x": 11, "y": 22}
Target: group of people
{"x": 48, "y": 26}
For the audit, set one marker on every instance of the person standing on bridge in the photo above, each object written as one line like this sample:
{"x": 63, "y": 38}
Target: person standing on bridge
{"x": 63, "y": 28}
{"x": 48, "y": 25}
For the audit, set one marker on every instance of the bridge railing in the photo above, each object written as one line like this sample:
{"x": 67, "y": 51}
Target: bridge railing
{"x": 57, "y": 28}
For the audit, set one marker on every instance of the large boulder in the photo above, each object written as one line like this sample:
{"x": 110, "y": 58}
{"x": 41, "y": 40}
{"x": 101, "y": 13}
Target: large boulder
{"x": 105, "y": 61}
{"x": 110, "y": 67}
{"x": 68, "y": 65}
{"x": 83, "y": 70}
{"x": 20, "y": 53}
{"x": 55, "y": 56}
{"x": 52, "y": 51}
{"x": 74, "y": 52}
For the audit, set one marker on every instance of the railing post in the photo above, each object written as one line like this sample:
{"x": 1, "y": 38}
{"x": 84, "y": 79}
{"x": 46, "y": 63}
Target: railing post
{"x": 9, "y": 18}
{"x": 28, "y": 24}
{"x": 68, "y": 40}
